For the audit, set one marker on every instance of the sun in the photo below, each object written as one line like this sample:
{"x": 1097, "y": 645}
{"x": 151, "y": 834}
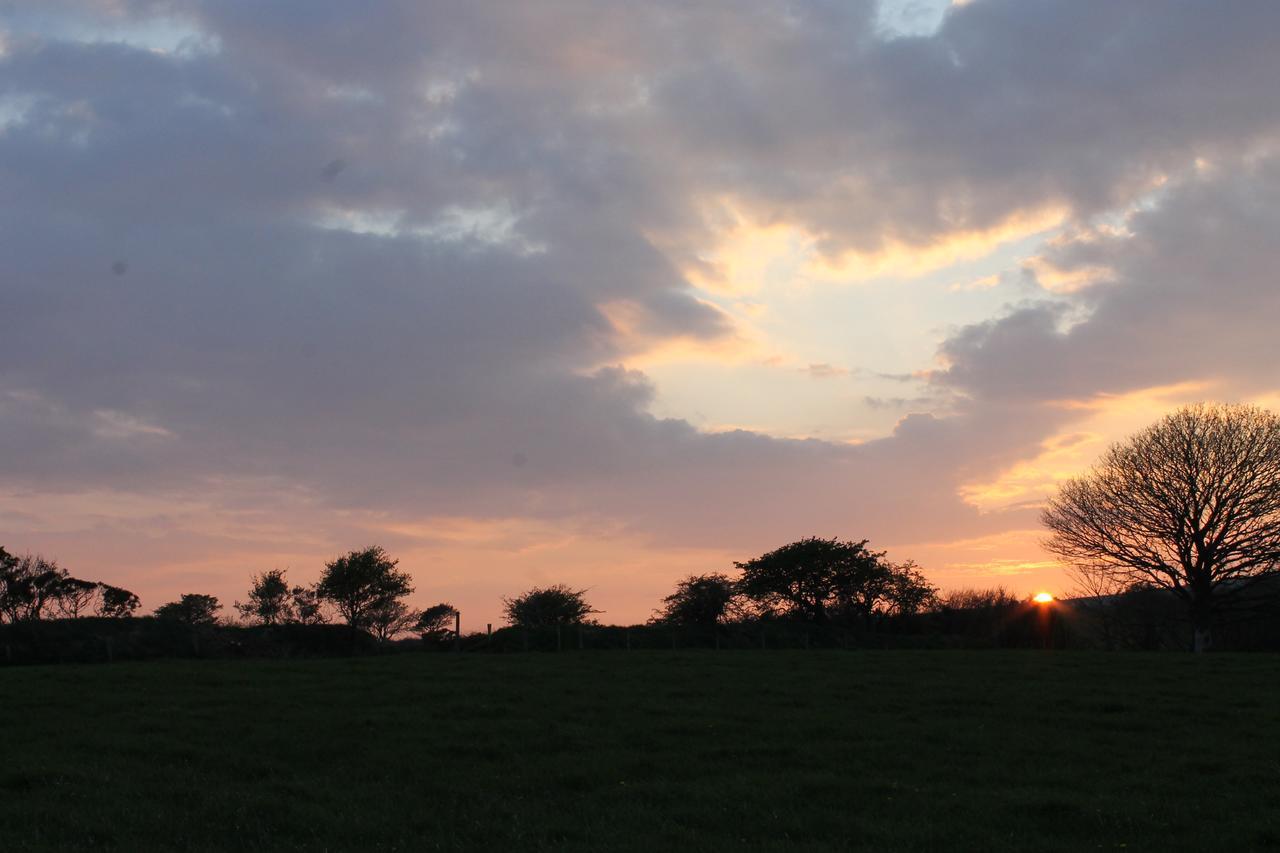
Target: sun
{"x": 1042, "y": 597}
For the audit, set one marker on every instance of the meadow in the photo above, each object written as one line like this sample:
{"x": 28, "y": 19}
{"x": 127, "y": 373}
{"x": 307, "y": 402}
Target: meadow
{"x": 699, "y": 750}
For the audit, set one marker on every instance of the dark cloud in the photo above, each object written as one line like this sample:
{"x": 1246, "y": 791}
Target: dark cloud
{"x": 373, "y": 256}
{"x": 1189, "y": 296}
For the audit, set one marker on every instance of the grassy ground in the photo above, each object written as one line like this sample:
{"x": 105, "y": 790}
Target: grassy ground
{"x": 646, "y": 751}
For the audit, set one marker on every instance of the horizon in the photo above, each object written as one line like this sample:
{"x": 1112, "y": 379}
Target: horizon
{"x": 611, "y": 295}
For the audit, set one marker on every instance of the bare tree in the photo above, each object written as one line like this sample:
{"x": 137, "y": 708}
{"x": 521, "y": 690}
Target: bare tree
{"x": 1190, "y": 505}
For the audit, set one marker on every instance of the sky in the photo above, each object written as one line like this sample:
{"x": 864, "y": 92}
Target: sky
{"x": 609, "y": 293}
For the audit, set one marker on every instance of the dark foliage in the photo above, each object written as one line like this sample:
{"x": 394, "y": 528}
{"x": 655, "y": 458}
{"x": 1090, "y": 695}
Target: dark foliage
{"x": 992, "y": 598}
{"x": 99, "y": 640}
{"x": 820, "y": 580}
{"x": 307, "y": 605}
{"x": 116, "y": 602}
{"x": 34, "y": 588}
{"x": 436, "y": 622}
{"x": 270, "y": 601}
{"x": 29, "y": 586}
{"x": 192, "y": 609}
{"x": 361, "y": 581}
{"x": 390, "y": 617}
{"x": 74, "y": 597}
{"x": 547, "y": 607}
{"x": 703, "y": 600}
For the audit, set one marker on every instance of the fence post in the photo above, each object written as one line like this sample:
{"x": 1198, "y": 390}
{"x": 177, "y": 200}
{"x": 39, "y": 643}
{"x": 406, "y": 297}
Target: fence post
{"x": 457, "y": 630}
{"x": 489, "y": 629}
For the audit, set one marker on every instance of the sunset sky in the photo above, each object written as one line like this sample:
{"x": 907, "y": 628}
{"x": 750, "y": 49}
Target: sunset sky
{"x": 607, "y": 293}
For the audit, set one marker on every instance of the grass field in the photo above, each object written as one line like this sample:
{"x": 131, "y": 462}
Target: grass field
{"x": 646, "y": 751}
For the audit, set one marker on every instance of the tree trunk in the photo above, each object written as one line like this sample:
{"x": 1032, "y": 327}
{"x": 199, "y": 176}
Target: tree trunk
{"x": 1201, "y": 623}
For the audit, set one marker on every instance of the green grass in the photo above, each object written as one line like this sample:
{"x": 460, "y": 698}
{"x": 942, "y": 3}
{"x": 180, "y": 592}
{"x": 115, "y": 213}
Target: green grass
{"x": 646, "y": 751}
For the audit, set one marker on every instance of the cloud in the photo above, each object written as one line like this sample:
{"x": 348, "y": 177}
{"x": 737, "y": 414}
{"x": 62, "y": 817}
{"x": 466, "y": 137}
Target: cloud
{"x": 317, "y": 269}
{"x": 1190, "y": 297}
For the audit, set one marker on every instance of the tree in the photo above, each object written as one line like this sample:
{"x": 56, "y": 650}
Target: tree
{"x": 117, "y": 603}
{"x": 436, "y": 622}
{"x": 702, "y": 600}
{"x": 357, "y": 582}
{"x": 544, "y": 607}
{"x": 908, "y": 591}
{"x": 391, "y": 617}
{"x": 821, "y": 579}
{"x": 29, "y": 585}
{"x": 74, "y": 596}
{"x": 994, "y": 598}
{"x": 192, "y": 608}
{"x": 1190, "y": 505}
{"x": 33, "y": 587}
{"x": 308, "y": 606}
{"x": 270, "y": 601}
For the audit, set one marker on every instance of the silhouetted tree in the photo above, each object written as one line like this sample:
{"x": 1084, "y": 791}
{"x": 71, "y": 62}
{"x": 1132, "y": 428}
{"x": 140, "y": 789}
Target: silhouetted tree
{"x": 1190, "y": 505}
{"x": 117, "y": 603}
{"x": 818, "y": 579}
{"x": 270, "y": 601}
{"x": 308, "y": 606}
{"x": 29, "y": 586}
{"x": 979, "y": 599}
{"x": 702, "y": 600}
{"x": 74, "y": 596}
{"x": 436, "y": 622}
{"x": 357, "y": 582}
{"x": 192, "y": 608}
{"x": 390, "y": 617}
{"x": 908, "y": 591}
{"x": 990, "y": 613}
{"x": 544, "y": 607}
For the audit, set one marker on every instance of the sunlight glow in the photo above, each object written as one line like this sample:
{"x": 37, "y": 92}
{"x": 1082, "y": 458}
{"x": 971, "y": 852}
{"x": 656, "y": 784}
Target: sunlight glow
{"x": 1042, "y": 598}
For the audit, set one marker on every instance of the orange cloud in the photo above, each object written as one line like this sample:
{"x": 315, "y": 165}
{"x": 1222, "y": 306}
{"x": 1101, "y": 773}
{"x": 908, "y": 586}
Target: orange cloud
{"x": 630, "y": 319}
{"x": 752, "y": 254}
{"x": 1013, "y": 559}
{"x": 1107, "y": 418}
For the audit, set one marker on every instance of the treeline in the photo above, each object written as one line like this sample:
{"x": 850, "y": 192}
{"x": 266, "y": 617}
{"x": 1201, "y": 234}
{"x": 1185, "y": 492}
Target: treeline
{"x": 822, "y": 581}
{"x": 813, "y": 593}
{"x": 33, "y": 587}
